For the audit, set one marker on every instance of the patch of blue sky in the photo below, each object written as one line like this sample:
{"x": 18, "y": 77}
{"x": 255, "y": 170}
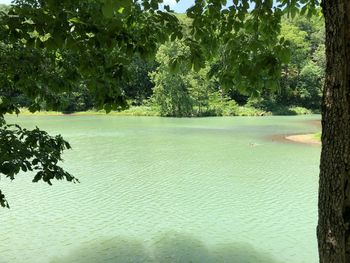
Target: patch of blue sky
{"x": 183, "y": 5}
{"x": 5, "y": 2}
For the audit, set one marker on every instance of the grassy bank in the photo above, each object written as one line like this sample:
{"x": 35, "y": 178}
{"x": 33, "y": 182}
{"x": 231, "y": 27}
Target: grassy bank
{"x": 153, "y": 111}
{"x": 132, "y": 111}
{"x": 317, "y": 136}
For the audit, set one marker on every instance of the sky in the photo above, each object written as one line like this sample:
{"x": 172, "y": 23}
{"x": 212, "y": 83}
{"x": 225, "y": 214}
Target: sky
{"x": 180, "y": 7}
{"x": 5, "y": 2}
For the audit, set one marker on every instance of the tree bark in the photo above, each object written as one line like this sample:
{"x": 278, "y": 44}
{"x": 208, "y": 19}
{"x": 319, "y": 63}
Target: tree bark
{"x": 333, "y": 231}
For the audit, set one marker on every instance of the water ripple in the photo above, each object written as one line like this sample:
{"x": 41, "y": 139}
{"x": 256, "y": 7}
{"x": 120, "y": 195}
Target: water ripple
{"x": 168, "y": 190}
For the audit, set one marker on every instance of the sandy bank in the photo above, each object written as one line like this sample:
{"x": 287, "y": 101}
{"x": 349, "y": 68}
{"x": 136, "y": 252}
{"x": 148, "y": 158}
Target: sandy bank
{"x": 304, "y": 138}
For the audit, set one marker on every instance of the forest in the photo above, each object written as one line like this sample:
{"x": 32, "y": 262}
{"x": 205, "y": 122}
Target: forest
{"x": 168, "y": 85}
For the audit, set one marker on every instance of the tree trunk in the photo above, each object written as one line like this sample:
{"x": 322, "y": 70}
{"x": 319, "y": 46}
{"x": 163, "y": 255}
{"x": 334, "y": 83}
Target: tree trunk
{"x": 334, "y": 189}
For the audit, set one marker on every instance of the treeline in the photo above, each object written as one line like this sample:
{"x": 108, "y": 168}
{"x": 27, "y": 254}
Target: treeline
{"x": 181, "y": 91}
{"x": 167, "y": 85}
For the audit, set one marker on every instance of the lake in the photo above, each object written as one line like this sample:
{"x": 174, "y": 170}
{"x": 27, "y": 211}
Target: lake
{"x": 168, "y": 190}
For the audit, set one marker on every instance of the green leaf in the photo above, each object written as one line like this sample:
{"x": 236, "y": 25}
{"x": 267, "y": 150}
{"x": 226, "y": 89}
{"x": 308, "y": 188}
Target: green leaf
{"x": 45, "y": 37}
{"x": 33, "y": 34}
{"x": 24, "y": 168}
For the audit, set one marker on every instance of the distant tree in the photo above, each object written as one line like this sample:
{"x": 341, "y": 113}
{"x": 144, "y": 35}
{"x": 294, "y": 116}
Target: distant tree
{"x": 309, "y": 87}
{"x": 138, "y": 87}
{"x": 171, "y": 91}
{"x": 296, "y": 88}
{"x": 200, "y": 88}
{"x": 179, "y": 89}
{"x": 79, "y": 99}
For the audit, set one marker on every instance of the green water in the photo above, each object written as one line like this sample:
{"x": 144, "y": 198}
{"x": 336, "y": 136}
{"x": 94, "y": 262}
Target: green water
{"x": 168, "y": 190}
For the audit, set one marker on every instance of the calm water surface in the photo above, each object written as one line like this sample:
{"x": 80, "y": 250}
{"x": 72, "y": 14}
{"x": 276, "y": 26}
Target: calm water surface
{"x": 168, "y": 190}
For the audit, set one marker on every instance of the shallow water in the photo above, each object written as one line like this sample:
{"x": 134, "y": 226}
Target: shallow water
{"x": 168, "y": 190}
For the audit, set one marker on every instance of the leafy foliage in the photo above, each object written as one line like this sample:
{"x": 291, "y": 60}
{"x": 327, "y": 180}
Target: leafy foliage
{"x": 138, "y": 87}
{"x": 31, "y": 150}
{"x": 171, "y": 90}
{"x": 303, "y": 77}
{"x": 102, "y": 36}
{"x": 180, "y": 90}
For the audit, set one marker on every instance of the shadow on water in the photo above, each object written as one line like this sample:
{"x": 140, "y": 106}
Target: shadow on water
{"x": 167, "y": 248}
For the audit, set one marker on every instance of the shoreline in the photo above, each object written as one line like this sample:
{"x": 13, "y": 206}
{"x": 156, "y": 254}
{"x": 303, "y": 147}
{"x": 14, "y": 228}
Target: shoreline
{"x": 154, "y": 112}
{"x": 303, "y": 138}
{"x": 130, "y": 113}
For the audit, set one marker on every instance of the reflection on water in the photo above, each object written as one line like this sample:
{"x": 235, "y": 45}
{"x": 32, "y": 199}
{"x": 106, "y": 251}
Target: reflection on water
{"x": 171, "y": 247}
